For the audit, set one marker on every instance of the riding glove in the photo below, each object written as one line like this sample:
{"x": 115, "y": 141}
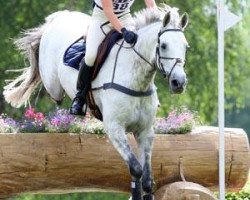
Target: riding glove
{"x": 129, "y": 36}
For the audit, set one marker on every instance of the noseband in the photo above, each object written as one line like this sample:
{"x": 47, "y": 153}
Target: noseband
{"x": 158, "y": 65}
{"x": 158, "y": 56}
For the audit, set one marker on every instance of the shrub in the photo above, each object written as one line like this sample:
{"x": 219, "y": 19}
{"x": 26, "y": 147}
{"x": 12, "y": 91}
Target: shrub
{"x": 8, "y": 125}
{"x": 32, "y": 122}
{"x": 178, "y": 121}
{"x": 60, "y": 121}
{"x": 242, "y": 195}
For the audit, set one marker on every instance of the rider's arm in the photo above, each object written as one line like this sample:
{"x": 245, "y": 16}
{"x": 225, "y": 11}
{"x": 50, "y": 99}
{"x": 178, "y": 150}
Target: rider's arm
{"x": 107, "y": 6}
{"x": 150, "y": 3}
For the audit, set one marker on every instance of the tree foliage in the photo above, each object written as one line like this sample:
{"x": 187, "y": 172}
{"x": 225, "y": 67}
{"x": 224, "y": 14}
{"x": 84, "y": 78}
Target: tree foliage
{"x": 201, "y": 93}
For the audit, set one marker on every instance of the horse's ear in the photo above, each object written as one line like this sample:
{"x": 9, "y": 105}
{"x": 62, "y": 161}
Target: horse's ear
{"x": 184, "y": 21}
{"x": 166, "y": 19}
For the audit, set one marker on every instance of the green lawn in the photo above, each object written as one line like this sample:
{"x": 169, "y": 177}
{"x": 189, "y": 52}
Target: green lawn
{"x": 247, "y": 186}
{"x": 244, "y": 194}
{"x": 75, "y": 196}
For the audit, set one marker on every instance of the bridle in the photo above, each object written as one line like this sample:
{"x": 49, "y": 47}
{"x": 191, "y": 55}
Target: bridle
{"x": 158, "y": 56}
{"x": 158, "y": 64}
{"x": 112, "y": 85}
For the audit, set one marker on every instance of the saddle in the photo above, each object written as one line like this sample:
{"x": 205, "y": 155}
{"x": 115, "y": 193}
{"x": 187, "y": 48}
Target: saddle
{"x": 76, "y": 52}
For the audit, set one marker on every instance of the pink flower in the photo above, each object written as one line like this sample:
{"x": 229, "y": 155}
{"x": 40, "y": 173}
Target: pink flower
{"x": 39, "y": 116}
{"x": 30, "y": 113}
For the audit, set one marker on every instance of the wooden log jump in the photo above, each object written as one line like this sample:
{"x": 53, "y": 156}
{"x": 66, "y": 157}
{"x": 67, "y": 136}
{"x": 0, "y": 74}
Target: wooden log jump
{"x": 63, "y": 163}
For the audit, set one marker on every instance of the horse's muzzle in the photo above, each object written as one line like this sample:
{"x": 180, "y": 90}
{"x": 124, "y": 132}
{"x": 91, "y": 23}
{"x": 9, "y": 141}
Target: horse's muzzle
{"x": 178, "y": 85}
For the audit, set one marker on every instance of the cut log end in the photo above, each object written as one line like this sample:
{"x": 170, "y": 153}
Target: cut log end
{"x": 184, "y": 190}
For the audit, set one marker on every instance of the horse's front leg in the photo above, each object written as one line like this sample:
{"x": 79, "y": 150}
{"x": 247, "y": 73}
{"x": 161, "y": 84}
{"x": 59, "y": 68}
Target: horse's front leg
{"x": 145, "y": 143}
{"x": 119, "y": 140}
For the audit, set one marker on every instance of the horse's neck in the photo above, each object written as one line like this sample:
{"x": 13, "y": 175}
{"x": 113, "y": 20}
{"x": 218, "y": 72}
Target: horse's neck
{"x": 147, "y": 40}
{"x": 131, "y": 70}
{"x": 144, "y": 73}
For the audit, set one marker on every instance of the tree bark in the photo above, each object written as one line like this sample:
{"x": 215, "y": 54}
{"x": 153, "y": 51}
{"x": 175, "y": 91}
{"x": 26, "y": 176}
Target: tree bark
{"x": 63, "y": 163}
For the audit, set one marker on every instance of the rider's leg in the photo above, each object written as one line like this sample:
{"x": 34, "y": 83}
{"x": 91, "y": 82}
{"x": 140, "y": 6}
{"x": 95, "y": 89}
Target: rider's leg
{"x": 83, "y": 85}
{"x": 94, "y": 38}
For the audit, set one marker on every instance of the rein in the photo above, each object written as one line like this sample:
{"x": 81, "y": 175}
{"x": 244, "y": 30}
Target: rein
{"x": 121, "y": 88}
{"x": 158, "y": 65}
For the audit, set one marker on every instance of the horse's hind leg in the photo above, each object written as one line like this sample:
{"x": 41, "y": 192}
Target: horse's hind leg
{"x": 145, "y": 143}
{"x": 119, "y": 140}
{"x": 56, "y": 92}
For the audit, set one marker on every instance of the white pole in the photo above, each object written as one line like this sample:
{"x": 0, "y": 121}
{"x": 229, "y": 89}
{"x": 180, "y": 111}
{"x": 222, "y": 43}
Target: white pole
{"x": 221, "y": 114}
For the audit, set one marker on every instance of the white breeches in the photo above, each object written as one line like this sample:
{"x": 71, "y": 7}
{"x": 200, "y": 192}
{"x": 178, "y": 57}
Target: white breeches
{"x": 95, "y": 35}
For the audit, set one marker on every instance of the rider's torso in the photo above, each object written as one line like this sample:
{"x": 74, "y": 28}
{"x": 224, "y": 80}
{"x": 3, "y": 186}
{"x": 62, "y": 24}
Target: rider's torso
{"x": 119, "y": 5}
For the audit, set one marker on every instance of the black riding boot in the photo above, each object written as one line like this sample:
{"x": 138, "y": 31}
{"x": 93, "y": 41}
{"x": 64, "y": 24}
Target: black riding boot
{"x": 83, "y": 85}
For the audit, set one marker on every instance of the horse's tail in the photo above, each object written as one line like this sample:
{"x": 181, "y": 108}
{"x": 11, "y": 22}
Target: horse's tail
{"x": 18, "y": 91}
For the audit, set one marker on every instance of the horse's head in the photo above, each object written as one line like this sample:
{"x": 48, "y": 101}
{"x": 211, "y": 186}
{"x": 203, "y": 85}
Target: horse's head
{"x": 171, "y": 50}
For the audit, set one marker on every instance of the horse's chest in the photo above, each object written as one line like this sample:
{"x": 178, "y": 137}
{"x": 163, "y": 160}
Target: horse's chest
{"x": 140, "y": 114}
{"x": 134, "y": 113}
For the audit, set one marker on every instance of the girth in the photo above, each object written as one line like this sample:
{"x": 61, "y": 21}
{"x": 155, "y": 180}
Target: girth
{"x": 125, "y": 90}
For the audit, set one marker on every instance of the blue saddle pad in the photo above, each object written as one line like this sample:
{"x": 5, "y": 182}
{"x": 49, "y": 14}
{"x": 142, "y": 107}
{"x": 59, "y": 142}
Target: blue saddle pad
{"x": 74, "y": 54}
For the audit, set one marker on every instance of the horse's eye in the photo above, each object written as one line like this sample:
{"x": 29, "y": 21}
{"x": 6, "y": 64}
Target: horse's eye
{"x": 164, "y": 46}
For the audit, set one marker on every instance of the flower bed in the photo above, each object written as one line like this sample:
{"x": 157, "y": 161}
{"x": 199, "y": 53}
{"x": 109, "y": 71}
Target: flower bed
{"x": 179, "y": 121}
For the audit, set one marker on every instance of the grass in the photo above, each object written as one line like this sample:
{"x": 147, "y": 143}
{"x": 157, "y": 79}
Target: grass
{"x": 75, "y": 196}
{"x": 247, "y": 186}
{"x": 243, "y": 195}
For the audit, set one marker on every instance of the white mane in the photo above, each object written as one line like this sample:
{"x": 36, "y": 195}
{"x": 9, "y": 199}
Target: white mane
{"x": 148, "y": 16}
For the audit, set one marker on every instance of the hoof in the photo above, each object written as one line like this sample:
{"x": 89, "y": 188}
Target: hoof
{"x": 136, "y": 190}
{"x": 148, "y": 197}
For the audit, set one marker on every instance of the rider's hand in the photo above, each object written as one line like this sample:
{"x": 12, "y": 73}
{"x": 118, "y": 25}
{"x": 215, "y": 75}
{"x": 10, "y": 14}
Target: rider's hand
{"x": 129, "y": 36}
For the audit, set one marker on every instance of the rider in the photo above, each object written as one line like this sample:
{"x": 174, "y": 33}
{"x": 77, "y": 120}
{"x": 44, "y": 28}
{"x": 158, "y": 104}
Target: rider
{"x": 112, "y": 14}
